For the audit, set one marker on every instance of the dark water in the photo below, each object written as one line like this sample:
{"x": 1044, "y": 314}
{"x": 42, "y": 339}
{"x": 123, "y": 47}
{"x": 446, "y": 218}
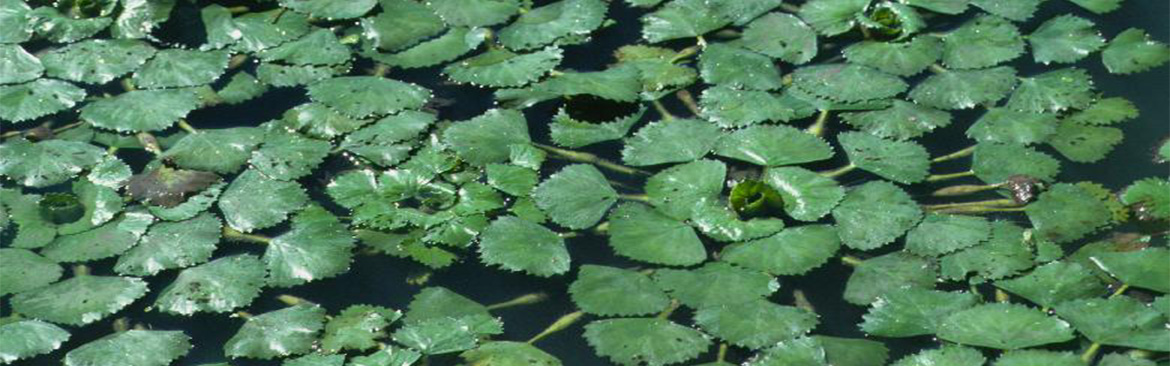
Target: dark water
{"x": 381, "y": 280}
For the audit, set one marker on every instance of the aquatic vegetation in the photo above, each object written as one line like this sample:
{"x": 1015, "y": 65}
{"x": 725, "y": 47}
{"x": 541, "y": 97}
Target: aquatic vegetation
{"x": 190, "y": 161}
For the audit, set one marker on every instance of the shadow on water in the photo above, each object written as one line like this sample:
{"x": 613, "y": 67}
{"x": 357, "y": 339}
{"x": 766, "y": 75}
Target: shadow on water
{"x": 381, "y": 280}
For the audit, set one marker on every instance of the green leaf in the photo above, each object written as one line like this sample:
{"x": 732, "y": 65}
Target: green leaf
{"x": 659, "y": 72}
{"x": 132, "y": 348}
{"x": 808, "y": 196}
{"x": 757, "y": 323}
{"x": 1017, "y": 10}
{"x": 401, "y": 24}
{"x": 722, "y": 64}
{"x": 514, "y": 180}
{"x": 1148, "y": 198}
{"x": 1065, "y": 39}
{"x": 640, "y": 233}
{"x": 294, "y": 76}
{"x": 35, "y": 99}
{"x": 317, "y": 120}
{"x": 503, "y": 68}
{"x": 1117, "y": 359}
{"x": 1055, "y": 283}
{"x": 853, "y": 351}
{"x": 180, "y": 68}
{"x": 1134, "y": 51}
{"x": 577, "y": 197}
{"x": 621, "y": 83}
{"x": 390, "y": 140}
{"x": 218, "y": 150}
{"x": 516, "y": 244}
{"x": 365, "y": 96}
{"x": 965, "y": 89}
{"x": 266, "y": 29}
{"x": 1004, "y": 326}
{"x": 715, "y": 284}
{"x": 996, "y": 163}
{"x": 901, "y": 161}
{"x": 1067, "y": 212}
{"x": 847, "y": 82}
{"x": 32, "y": 229}
{"x": 1118, "y": 321}
{"x": 18, "y": 65}
{"x": 940, "y": 234}
{"x": 673, "y": 141}
{"x": 610, "y": 291}
{"x": 288, "y": 156}
{"x": 757, "y": 145}
{"x": 105, "y": 241}
{"x": 793, "y": 251}
{"x": 1038, "y": 357}
{"x": 389, "y": 356}
{"x": 800, "y": 351}
{"x": 874, "y": 214}
{"x": 1053, "y": 91}
{"x": 331, "y": 9}
{"x": 170, "y": 245}
{"x": 485, "y": 139}
{"x": 1003, "y": 255}
{"x": 279, "y": 333}
{"x": 781, "y": 36}
{"x": 475, "y": 13}
{"x": 902, "y": 121}
{"x": 655, "y": 342}
{"x": 884, "y": 274}
{"x": 1006, "y": 126}
{"x": 502, "y": 353}
{"x": 676, "y": 190}
{"x": 546, "y": 24}
{"x": 25, "y": 270}
{"x": 1099, "y": 6}
{"x": 1142, "y": 268}
{"x": 729, "y": 107}
{"x": 948, "y": 355}
{"x": 439, "y": 302}
{"x": 456, "y": 42}
{"x": 320, "y": 47}
{"x": 982, "y": 42}
{"x": 79, "y": 300}
{"x": 315, "y": 359}
{"x": 141, "y": 110}
{"x": 163, "y": 186}
{"x": 446, "y": 334}
{"x": 571, "y": 133}
{"x": 358, "y": 327}
{"x": 716, "y": 220}
{"x": 902, "y": 59}
{"x": 46, "y": 163}
{"x": 1085, "y": 144}
{"x": 253, "y": 201}
{"x": 241, "y": 88}
{"x": 1105, "y": 111}
{"x": 908, "y": 312}
{"x": 27, "y": 338}
{"x": 138, "y": 18}
{"x": 683, "y": 19}
{"x": 832, "y": 17}
{"x": 318, "y": 246}
{"x": 61, "y": 28}
{"x": 218, "y": 286}
{"x": 951, "y": 7}
{"x": 15, "y": 25}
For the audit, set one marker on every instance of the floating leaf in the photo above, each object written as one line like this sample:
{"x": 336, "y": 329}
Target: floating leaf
{"x": 1064, "y": 39}
{"x": 456, "y": 42}
{"x": 577, "y": 197}
{"x": 266, "y": 29}
{"x": 782, "y": 36}
{"x": 721, "y": 64}
{"x": 939, "y": 234}
{"x": 1133, "y": 51}
{"x": 27, "y": 338}
{"x": 509, "y": 353}
{"x": 1055, "y": 283}
{"x": 389, "y": 356}
{"x": 1006, "y": 126}
{"x": 945, "y": 356}
{"x": 331, "y": 9}
{"x": 315, "y": 359}
{"x": 253, "y": 201}
{"x": 141, "y": 110}
{"x": 35, "y": 99}
{"x": 79, "y": 300}
{"x": 800, "y": 351}
{"x": 218, "y": 150}
{"x": 439, "y": 302}
{"x": 715, "y": 284}
{"x": 1148, "y": 198}
{"x": 640, "y": 233}
{"x": 320, "y": 121}
{"x": 132, "y": 348}
{"x": 1099, "y": 6}
{"x": 365, "y": 96}
{"x": 1053, "y": 91}
{"x": 1117, "y": 359}
{"x": 401, "y": 24}
{"x": 166, "y": 187}
{"x": 847, "y": 82}
{"x": 318, "y": 246}
{"x": 170, "y": 245}
{"x": 884, "y": 274}
{"x": 717, "y": 221}
{"x": 138, "y": 18}
{"x": 61, "y": 28}
{"x": 290, "y": 76}
{"x": 279, "y": 333}
{"x": 241, "y": 88}
{"x": 676, "y": 190}
{"x": 1141, "y": 268}
{"x": 902, "y": 121}
{"x": 390, "y": 140}
{"x": 218, "y": 286}
{"x": 180, "y": 68}
{"x": 1085, "y": 144}
{"x": 548, "y": 23}
{"x": 902, "y": 59}
{"x": 832, "y": 17}
{"x": 1105, "y": 111}
{"x": 1038, "y": 357}
{"x": 446, "y": 334}
{"x": 1017, "y": 10}
{"x": 652, "y": 341}
{"x": 516, "y": 244}
{"x": 757, "y": 323}
{"x": 730, "y": 107}
{"x": 1067, "y": 212}
{"x": 683, "y": 19}
{"x": 18, "y": 65}
{"x": 320, "y": 47}
{"x": 757, "y": 145}
{"x": 357, "y": 328}
{"x": 610, "y": 291}
{"x": 982, "y": 42}
{"x": 910, "y": 311}
{"x": 951, "y": 7}
{"x": 621, "y": 83}
{"x": 965, "y": 89}
{"x": 33, "y": 230}
{"x": 474, "y": 13}
{"x": 875, "y": 214}
{"x": 996, "y": 163}
{"x": 105, "y": 241}
{"x": 41, "y": 164}
{"x": 503, "y": 68}
{"x": 25, "y": 270}
{"x": 1004, "y": 254}
{"x": 808, "y": 196}
{"x": 288, "y": 156}
{"x": 1004, "y": 326}
{"x": 793, "y": 251}
{"x": 1118, "y": 321}
{"x": 568, "y": 132}
{"x": 15, "y": 25}
{"x": 485, "y": 139}
{"x": 674, "y": 141}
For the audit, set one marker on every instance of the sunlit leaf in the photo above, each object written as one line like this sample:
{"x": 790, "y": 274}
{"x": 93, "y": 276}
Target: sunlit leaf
{"x": 571, "y": 133}
{"x": 995, "y": 163}
{"x": 652, "y": 341}
{"x": 32, "y": 230}
{"x": 847, "y": 82}
{"x": 446, "y": 334}
{"x": 358, "y": 327}
{"x": 1038, "y": 357}
{"x": 1053, "y": 91}
{"x": 318, "y": 246}
{"x": 1067, "y": 212}
{"x": 365, "y": 96}
{"x": 218, "y": 286}
{"x": 621, "y": 83}
{"x": 808, "y": 196}
{"x": 982, "y": 42}
{"x": 439, "y": 302}
{"x": 793, "y": 251}
{"x": 253, "y": 201}
{"x": 1002, "y": 255}
{"x": 1142, "y": 268}
{"x": 485, "y": 139}
{"x": 640, "y": 233}
{"x": 108, "y": 240}
{"x": 832, "y": 17}
{"x": 165, "y": 187}
{"x": 331, "y": 9}
{"x": 260, "y": 30}
{"x": 903, "y": 59}
{"x": 782, "y": 36}
{"x": 18, "y": 66}
{"x": 1106, "y": 111}
{"x": 62, "y": 28}
{"x": 910, "y": 311}
{"x": 391, "y": 139}
{"x": 610, "y": 291}
{"x": 546, "y": 24}
{"x": 456, "y": 42}
{"x": 502, "y": 353}
{"x": 757, "y": 145}
{"x": 15, "y": 25}
{"x": 941, "y": 6}
{"x": 46, "y": 163}
{"x": 516, "y": 244}
{"x": 389, "y": 356}
{"x": 715, "y": 284}
{"x": 24, "y": 270}
{"x": 35, "y": 99}
{"x": 1064, "y": 39}
{"x": 722, "y": 64}
{"x": 799, "y": 351}
{"x": 503, "y": 68}
{"x": 315, "y": 359}
{"x": 1118, "y": 359}
{"x": 1017, "y": 10}
{"x": 676, "y": 190}
{"x": 401, "y": 24}
{"x": 474, "y": 13}
{"x": 1119, "y": 321}
{"x": 718, "y": 221}
{"x": 132, "y": 348}
{"x": 1004, "y": 326}
{"x": 288, "y": 156}
{"x": 940, "y": 234}
{"x": 141, "y": 110}
{"x": 1148, "y": 198}
{"x": 217, "y": 150}
{"x": 884, "y": 274}
{"x": 577, "y": 197}
{"x": 672, "y": 141}
{"x": 79, "y": 300}
{"x": 902, "y": 121}
{"x": 171, "y": 245}
{"x": 317, "y": 120}
{"x": 756, "y": 324}
{"x": 874, "y": 214}
{"x": 1134, "y": 51}
{"x": 1084, "y": 144}
{"x": 730, "y": 107}
{"x": 1099, "y": 6}
{"x": 965, "y": 89}
{"x": 1054, "y": 283}
{"x": 180, "y": 68}
{"x": 276, "y": 75}
{"x": 27, "y": 338}
{"x": 945, "y": 356}
{"x": 1006, "y": 126}
{"x": 320, "y": 47}
{"x": 241, "y": 88}
{"x": 682, "y": 19}
{"x": 279, "y": 333}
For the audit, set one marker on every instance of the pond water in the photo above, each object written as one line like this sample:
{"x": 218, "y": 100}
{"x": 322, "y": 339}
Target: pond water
{"x": 382, "y": 280}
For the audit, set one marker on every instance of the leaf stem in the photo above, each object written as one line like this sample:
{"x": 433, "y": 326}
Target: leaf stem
{"x": 722, "y": 355}
{"x": 1003, "y": 202}
{"x": 964, "y": 189}
{"x": 851, "y": 261}
{"x": 789, "y": 8}
{"x": 666, "y": 115}
{"x": 685, "y": 53}
{"x": 584, "y": 157}
{"x": 560, "y": 324}
{"x": 235, "y": 235}
{"x": 149, "y": 142}
{"x": 938, "y": 69}
{"x": 238, "y": 9}
{"x": 1120, "y": 290}
{"x": 688, "y": 100}
{"x": 80, "y": 270}
{"x": 669, "y": 310}
{"x": 635, "y": 197}
{"x": 979, "y": 210}
{"x": 942, "y": 177}
{"x": 187, "y": 126}
{"x": 955, "y": 155}
{"x": 818, "y": 127}
{"x": 839, "y": 171}
{"x": 291, "y": 300}
{"x": 237, "y": 60}
{"x": 1090, "y": 352}
{"x": 526, "y": 299}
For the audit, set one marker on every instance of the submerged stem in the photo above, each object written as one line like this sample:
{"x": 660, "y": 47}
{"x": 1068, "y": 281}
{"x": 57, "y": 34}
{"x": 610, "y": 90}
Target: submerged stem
{"x": 669, "y": 309}
{"x": 955, "y": 155}
{"x": 666, "y": 115}
{"x": 964, "y": 189}
{"x": 942, "y": 177}
{"x": 235, "y": 235}
{"x": 839, "y": 171}
{"x": 688, "y": 100}
{"x": 584, "y": 157}
{"x": 186, "y": 126}
{"x": 526, "y": 299}
{"x": 851, "y": 261}
{"x": 635, "y": 197}
{"x": 560, "y": 324}
{"x": 1003, "y": 202}
{"x": 818, "y": 127}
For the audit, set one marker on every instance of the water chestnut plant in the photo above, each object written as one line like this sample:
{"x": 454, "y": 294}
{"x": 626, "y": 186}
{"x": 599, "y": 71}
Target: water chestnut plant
{"x": 581, "y": 182}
